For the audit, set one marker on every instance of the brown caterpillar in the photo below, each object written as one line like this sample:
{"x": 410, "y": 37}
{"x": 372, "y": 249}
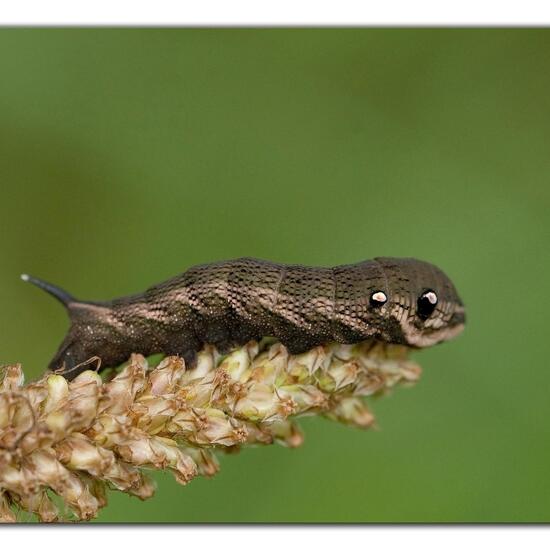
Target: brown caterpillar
{"x": 228, "y": 303}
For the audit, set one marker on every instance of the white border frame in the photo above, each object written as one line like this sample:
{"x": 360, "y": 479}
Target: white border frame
{"x": 280, "y": 13}
{"x": 275, "y": 12}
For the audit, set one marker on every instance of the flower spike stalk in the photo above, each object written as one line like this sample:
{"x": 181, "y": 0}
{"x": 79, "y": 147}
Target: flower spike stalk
{"x": 76, "y": 440}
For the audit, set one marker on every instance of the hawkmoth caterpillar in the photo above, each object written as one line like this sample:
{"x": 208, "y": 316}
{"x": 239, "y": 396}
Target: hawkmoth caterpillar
{"x": 393, "y": 300}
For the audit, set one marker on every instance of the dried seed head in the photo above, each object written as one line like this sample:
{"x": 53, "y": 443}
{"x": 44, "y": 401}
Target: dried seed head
{"x": 78, "y": 439}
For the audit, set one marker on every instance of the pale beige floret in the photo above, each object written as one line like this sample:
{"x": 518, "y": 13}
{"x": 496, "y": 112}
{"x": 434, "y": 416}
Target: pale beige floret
{"x": 63, "y": 444}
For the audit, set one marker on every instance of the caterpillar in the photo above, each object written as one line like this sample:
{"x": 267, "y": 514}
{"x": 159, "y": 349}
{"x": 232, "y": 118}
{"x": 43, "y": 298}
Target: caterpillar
{"x": 393, "y": 300}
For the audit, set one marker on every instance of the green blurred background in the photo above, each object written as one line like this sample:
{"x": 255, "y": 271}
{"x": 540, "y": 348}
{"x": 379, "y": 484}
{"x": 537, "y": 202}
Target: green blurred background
{"x": 128, "y": 155}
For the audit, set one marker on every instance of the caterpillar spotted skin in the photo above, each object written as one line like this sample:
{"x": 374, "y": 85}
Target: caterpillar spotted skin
{"x": 393, "y": 300}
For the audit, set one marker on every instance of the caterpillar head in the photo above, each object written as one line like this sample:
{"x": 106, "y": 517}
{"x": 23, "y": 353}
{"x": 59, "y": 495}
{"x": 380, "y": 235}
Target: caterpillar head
{"x": 417, "y": 305}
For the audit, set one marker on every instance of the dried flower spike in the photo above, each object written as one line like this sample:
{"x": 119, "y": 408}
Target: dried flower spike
{"x": 78, "y": 439}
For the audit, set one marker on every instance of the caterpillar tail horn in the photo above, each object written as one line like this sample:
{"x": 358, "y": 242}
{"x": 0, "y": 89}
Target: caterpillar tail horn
{"x": 63, "y": 296}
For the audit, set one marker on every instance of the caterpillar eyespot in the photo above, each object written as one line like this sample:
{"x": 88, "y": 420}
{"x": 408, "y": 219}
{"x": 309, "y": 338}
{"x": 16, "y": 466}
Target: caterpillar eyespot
{"x": 229, "y": 303}
{"x": 426, "y": 304}
{"x": 378, "y": 298}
